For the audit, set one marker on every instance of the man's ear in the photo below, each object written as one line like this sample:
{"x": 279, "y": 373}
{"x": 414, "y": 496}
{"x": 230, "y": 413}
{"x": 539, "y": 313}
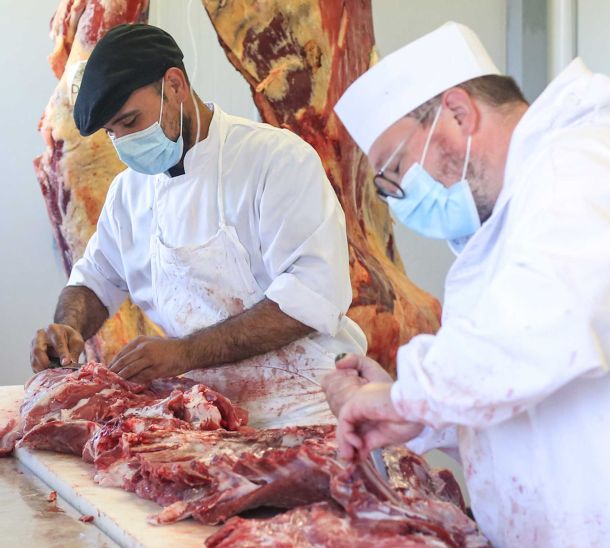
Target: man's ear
{"x": 176, "y": 84}
{"x": 463, "y": 108}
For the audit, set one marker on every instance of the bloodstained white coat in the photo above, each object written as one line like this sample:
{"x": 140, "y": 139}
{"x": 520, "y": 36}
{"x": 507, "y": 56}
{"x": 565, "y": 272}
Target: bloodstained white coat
{"x": 520, "y": 364}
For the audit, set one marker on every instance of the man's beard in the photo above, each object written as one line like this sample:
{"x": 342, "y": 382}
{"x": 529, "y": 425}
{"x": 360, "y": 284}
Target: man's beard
{"x": 187, "y": 142}
{"x": 476, "y": 175}
{"x": 187, "y": 135}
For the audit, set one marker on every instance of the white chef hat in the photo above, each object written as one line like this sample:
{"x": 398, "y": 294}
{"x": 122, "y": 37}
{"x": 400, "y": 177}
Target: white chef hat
{"x": 409, "y": 77}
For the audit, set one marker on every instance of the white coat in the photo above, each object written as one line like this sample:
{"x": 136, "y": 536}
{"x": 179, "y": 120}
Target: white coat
{"x": 253, "y": 216}
{"x": 520, "y": 363}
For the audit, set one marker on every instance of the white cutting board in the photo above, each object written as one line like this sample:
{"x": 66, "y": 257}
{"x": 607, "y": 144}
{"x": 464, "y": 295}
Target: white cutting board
{"x": 119, "y": 514}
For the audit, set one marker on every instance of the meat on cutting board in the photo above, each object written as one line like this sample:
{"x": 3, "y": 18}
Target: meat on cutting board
{"x": 320, "y": 524}
{"x": 63, "y": 408}
{"x": 10, "y": 431}
{"x": 214, "y": 475}
{"x": 153, "y": 441}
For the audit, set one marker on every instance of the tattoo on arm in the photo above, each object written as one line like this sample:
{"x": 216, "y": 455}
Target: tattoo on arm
{"x": 258, "y": 330}
{"x": 81, "y": 309}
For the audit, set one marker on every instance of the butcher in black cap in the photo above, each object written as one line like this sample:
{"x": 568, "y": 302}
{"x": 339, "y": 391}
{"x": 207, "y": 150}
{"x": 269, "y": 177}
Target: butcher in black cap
{"x": 226, "y": 233}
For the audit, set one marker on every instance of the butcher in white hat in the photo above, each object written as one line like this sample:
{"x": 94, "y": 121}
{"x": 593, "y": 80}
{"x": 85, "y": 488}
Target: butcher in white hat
{"x": 517, "y": 377}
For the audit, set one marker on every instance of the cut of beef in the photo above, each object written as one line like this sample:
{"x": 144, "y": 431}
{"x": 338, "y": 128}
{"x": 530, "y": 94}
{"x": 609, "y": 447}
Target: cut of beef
{"x": 410, "y": 475}
{"x": 62, "y": 408}
{"x": 59, "y": 436}
{"x": 91, "y": 393}
{"x": 214, "y": 475}
{"x": 10, "y": 430}
{"x": 298, "y": 58}
{"x": 359, "y": 516}
{"x": 75, "y": 172}
{"x": 318, "y": 525}
{"x": 422, "y": 511}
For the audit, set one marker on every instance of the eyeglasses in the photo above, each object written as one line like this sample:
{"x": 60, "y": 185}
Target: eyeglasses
{"x": 385, "y": 187}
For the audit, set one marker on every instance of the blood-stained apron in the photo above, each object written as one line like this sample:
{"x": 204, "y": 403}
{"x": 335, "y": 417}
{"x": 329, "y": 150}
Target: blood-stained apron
{"x": 200, "y": 285}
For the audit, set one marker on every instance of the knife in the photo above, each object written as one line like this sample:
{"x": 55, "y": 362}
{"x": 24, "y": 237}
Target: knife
{"x": 370, "y": 472}
{"x": 376, "y": 454}
{"x": 379, "y": 464}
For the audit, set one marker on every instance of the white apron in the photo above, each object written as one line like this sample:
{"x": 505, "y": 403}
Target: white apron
{"x": 198, "y": 286}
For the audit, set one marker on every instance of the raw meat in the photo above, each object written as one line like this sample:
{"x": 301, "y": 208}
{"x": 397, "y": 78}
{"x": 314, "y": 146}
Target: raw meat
{"x": 362, "y": 498}
{"x": 321, "y": 525}
{"x": 298, "y": 58}
{"x": 359, "y": 516}
{"x": 148, "y": 440}
{"x": 60, "y": 436}
{"x": 214, "y": 475}
{"x": 63, "y": 408}
{"x": 10, "y": 431}
{"x": 411, "y": 476}
{"x": 74, "y": 173}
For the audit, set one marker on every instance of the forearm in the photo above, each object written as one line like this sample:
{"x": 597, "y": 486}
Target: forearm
{"x": 258, "y": 330}
{"x": 81, "y": 309}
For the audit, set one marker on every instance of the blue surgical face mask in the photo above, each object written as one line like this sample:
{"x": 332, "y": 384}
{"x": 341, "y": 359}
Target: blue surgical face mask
{"x": 431, "y": 209}
{"x": 150, "y": 151}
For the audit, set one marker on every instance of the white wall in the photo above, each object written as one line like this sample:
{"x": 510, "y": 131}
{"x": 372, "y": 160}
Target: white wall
{"x": 211, "y": 74}
{"x": 30, "y": 272}
{"x": 592, "y": 34}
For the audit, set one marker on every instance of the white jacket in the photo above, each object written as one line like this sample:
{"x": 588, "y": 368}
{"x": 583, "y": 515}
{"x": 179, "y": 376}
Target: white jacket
{"x": 281, "y": 204}
{"x": 521, "y": 361}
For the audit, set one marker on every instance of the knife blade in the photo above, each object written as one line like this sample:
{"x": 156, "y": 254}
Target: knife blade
{"x": 379, "y": 464}
{"x": 371, "y": 473}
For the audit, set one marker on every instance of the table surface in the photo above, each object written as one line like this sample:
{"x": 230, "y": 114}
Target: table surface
{"x": 118, "y": 514}
{"x": 27, "y": 518}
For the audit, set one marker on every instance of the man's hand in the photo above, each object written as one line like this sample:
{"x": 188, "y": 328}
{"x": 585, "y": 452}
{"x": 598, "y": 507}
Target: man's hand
{"x": 352, "y": 372}
{"x": 56, "y": 341}
{"x": 148, "y": 358}
{"x": 368, "y": 420}
{"x": 367, "y": 368}
{"x": 339, "y": 386}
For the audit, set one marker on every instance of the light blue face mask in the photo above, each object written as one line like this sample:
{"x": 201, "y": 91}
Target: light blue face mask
{"x": 431, "y": 209}
{"x": 150, "y": 151}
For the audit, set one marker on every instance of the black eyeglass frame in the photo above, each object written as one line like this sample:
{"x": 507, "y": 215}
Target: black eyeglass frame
{"x": 400, "y": 193}
{"x": 381, "y": 192}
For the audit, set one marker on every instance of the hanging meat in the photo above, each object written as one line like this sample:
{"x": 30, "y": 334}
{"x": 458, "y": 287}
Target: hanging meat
{"x": 74, "y": 173}
{"x": 298, "y": 58}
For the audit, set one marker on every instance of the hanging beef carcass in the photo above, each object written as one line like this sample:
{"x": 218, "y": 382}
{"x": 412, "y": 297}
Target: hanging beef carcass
{"x": 298, "y": 58}
{"x": 75, "y": 172}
